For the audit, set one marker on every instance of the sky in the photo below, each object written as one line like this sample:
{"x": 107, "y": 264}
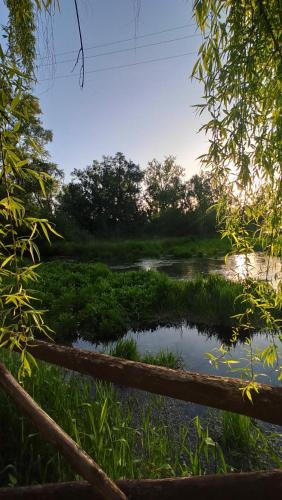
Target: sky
{"x": 144, "y": 110}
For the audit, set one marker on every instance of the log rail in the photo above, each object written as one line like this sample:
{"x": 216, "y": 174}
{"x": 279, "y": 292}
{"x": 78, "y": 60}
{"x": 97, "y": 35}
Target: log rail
{"x": 252, "y": 485}
{"x": 218, "y": 392}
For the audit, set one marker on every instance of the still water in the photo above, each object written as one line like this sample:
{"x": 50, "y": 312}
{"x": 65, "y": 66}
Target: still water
{"x": 193, "y": 343}
{"x": 236, "y": 267}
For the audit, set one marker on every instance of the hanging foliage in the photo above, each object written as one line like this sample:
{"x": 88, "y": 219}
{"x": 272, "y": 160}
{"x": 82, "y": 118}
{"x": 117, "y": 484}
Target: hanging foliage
{"x": 240, "y": 67}
{"x": 21, "y": 318}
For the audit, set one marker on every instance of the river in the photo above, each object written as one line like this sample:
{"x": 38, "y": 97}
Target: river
{"x": 235, "y": 267}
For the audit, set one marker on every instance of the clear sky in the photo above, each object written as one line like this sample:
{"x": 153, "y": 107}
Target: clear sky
{"x": 143, "y": 110}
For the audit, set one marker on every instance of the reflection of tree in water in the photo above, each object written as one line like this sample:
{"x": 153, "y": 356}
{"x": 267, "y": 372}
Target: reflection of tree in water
{"x": 220, "y": 333}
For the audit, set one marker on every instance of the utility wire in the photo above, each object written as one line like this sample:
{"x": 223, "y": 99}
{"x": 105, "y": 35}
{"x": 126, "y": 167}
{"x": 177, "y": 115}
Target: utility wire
{"x": 81, "y": 50}
{"x": 114, "y": 42}
{"x": 123, "y": 50}
{"x": 121, "y": 66}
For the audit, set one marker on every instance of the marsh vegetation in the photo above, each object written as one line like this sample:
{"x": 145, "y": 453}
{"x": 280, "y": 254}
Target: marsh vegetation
{"x": 91, "y": 301}
{"x": 127, "y": 436}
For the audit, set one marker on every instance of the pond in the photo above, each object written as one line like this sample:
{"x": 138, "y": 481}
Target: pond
{"x": 236, "y": 267}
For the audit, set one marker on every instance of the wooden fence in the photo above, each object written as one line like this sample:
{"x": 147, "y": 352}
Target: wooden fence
{"x": 218, "y": 392}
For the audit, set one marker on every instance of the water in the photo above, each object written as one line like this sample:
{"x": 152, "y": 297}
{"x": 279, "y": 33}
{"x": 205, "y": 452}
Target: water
{"x": 236, "y": 267}
{"x": 193, "y": 344}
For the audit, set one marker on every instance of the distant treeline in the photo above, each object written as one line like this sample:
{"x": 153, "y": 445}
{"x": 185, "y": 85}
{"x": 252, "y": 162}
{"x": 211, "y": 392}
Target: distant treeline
{"x": 115, "y": 198}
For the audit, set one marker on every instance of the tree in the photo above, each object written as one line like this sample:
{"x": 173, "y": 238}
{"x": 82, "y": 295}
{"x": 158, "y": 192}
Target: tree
{"x": 36, "y": 201}
{"x": 41, "y": 203}
{"x": 240, "y": 66}
{"x": 201, "y": 197}
{"x": 105, "y": 198}
{"x": 164, "y": 186}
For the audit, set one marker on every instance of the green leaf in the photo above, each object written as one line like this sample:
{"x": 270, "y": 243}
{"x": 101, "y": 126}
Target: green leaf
{"x": 15, "y": 102}
{"x": 7, "y": 260}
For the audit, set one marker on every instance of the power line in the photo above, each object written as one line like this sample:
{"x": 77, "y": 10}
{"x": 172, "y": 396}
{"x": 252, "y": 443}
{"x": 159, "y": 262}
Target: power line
{"x": 114, "y": 42}
{"x": 121, "y": 66}
{"x": 124, "y": 50}
{"x": 81, "y": 50}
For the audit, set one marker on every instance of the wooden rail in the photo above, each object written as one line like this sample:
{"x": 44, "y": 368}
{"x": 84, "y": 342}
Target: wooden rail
{"x": 80, "y": 461}
{"x": 257, "y": 485}
{"x": 218, "y": 392}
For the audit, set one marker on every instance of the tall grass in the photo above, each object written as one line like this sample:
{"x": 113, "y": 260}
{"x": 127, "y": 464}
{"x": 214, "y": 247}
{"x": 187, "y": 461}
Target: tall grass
{"x": 206, "y": 451}
{"x": 163, "y": 358}
{"x": 100, "y": 424}
{"x": 245, "y": 442}
{"x": 127, "y": 348}
{"x": 128, "y": 439}
{"x": 239, "y": 432}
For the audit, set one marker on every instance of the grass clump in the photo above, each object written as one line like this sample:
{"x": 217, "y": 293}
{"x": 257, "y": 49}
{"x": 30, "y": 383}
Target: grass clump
{"x": 246, "y": 445}
{"x": 127, "y": 348}
{"x": 206, "y": 450}
{"x": 163, "y": 358}
{"x": 239, "y": 432}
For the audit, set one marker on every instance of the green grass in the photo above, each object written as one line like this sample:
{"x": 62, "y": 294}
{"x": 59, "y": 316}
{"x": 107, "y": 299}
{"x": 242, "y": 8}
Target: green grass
{"x": 112, "y": 251}
{"x": 127, "y": 348}
{"x": 163, "y": 358}
{"x": 124, "y": 444}
{"x": 239, "y": 432}
{"x": 90, "y": 300}
{"x": 246, "y": 444}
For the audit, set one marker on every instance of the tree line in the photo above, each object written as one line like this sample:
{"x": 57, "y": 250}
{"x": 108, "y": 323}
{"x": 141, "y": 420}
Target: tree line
{"x": 114, "y": 197}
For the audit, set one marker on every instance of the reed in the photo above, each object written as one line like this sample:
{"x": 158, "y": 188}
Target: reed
{"x": 127, "y": 348}
{"x": 246, "y": 444}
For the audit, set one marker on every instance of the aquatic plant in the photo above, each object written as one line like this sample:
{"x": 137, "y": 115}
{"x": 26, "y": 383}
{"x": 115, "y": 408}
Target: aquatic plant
{"x": 90, "y": 300}
{"x": 127, "y": 348}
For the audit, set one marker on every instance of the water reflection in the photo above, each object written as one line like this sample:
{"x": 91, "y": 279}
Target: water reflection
{"x": 193, "y": 344}
{"x": 236, "y": 267}
{"x": 254, "y": 265}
